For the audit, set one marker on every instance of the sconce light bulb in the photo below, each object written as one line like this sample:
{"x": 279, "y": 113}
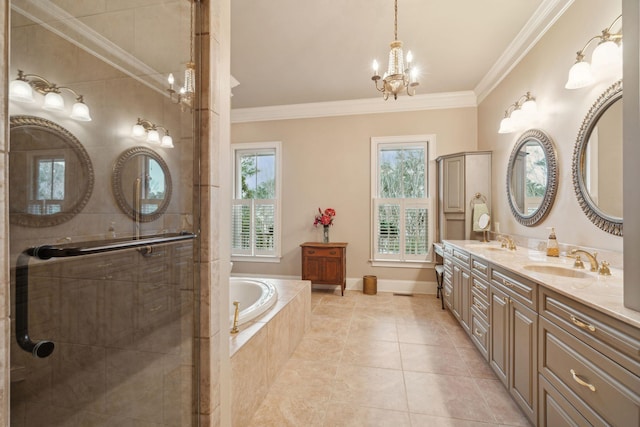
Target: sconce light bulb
{"x": 580, "y": 75}
{"x": 138, "y": 131}
{"x": 375, "y": 67}
{"x": 153, "y": 136}
{"x": 606, "y": 54}
{"x": 21, "y": 91}
{"x": 53, "y": 101}
{"x": 506, "y": 125}
{"x": 80, "y": 112}
{"x": 167, "y": 141}
{"x": 170, "y": 79}
{"x": 529, "y": 107}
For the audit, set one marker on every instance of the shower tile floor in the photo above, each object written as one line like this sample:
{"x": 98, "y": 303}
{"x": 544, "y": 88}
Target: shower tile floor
{"x": 385, "y": 360}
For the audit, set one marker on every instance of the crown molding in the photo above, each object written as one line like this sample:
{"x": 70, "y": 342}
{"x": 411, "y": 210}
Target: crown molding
{"x": 544, "y": 17}
{"x": 431, "y": 101}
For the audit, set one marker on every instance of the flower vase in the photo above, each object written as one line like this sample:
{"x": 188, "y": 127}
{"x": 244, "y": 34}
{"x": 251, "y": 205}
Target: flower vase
{"x": 325, "y": 234}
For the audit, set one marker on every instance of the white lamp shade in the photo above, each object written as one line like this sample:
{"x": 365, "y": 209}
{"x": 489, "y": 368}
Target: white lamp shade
{"x": 580, "y": 75}
{"x": 53, "y": 101}
{"x": 21, "y": 91}
{"x": 137, "y": 131}
{"x": 506, "y": 125}
{"x": 80, "y": 112}
{"x": 153, "y": 136}
{"x": 529, "y": 107}
{"x": 167, "y": 141}
{"x": 605, "y": 55}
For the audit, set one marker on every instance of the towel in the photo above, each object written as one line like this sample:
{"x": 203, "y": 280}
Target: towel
{"x": 478, "y": 210}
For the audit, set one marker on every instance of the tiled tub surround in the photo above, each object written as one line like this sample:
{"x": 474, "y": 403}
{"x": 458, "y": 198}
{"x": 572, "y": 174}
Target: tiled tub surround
{"x": 262, "y": 347}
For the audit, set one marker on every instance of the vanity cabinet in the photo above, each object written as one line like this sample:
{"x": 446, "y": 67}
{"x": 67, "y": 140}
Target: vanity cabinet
{"x": 479, "y": 310}
{"x": 325, "y": 263}
{"x": 461, "y": 287}
{"x": 590, "y": 359}
{"x": 514, "y": 337}
{"x": 460, "y": 177}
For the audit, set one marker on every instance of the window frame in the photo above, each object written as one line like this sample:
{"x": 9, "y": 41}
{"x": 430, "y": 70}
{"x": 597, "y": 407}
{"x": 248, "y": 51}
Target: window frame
{"x": 402, "y": 260}
{"x": 256, "y": 255}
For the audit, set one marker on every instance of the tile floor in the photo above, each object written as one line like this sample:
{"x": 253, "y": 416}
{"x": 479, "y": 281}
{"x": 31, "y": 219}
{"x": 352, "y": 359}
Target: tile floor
{"x": 385, "y": 360}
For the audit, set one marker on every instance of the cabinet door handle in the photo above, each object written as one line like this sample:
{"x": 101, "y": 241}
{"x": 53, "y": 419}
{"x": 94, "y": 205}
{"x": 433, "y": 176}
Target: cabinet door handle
{"x": 584, "y": 325}
{"x": 480, "y": 288}
{"x": 447, "y": 294}
{"x": 506, "y": 300}
{"x": 580, "y": 381}
{"x": 311, "y": 252}
{"x": 332, "y": 252}
{"x": 507, "y": 283}
{"x": 478, "y": 333}
{"x": 480, "y": 267}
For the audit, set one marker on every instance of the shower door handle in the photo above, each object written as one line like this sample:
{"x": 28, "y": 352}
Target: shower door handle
{"x": 41, "y": 348}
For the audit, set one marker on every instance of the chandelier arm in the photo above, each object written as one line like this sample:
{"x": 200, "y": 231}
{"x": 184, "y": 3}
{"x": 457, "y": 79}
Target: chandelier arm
{"x": 580, "y": 53}
{"x": 608, "y": 30}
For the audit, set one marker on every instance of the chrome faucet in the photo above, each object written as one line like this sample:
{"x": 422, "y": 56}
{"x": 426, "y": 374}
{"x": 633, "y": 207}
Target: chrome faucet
{"x": 593, "y": 258}
{"x": 507, "y": 242}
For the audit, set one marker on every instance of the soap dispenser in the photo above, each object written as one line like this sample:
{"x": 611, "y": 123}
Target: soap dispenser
{"x": 552, "y": 244}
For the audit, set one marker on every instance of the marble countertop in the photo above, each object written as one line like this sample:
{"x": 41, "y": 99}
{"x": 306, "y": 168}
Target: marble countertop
{"x": 603, "y": 293}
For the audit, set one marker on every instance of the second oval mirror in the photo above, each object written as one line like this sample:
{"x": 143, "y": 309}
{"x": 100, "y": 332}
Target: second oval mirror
{"x": 141, "y": 184}
{"x": 532, "y": 177}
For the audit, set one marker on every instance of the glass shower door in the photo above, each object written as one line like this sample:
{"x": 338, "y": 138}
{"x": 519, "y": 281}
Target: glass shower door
{"x": 104, "y": 312}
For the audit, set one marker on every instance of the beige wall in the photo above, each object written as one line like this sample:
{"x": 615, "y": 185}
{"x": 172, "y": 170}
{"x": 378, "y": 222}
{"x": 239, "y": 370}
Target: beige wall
{"x": 326, "y": 163}
{"x": 544, "y": 72}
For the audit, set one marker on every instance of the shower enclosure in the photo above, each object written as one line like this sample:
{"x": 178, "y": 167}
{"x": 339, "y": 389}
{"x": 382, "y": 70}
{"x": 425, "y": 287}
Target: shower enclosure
{"x": 103, "y": 234}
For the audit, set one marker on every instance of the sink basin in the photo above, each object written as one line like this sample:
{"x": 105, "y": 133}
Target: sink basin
{"x": 485, "y": 247}
{"x": 556, "y": 271}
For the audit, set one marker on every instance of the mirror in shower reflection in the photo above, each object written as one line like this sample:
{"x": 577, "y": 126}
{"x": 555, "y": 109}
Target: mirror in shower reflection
{"x": 142, "y": 184}
{"x": 50, "y": 173}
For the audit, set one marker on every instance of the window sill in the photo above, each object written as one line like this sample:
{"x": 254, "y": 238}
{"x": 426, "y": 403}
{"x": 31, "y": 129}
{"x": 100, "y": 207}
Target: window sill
{"x": 249, "y": 258}
{"x": 401, "y": 264}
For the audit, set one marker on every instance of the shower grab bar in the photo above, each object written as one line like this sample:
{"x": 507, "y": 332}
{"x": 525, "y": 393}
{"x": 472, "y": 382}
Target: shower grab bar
{"x": 44, "y": 348}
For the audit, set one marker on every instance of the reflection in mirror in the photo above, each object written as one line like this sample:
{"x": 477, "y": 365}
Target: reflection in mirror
{"x": 597, "y": 176}
{"x": 142, "y": 184}
{"x": 531, "y": 177}
{"x": 50, "y": 173}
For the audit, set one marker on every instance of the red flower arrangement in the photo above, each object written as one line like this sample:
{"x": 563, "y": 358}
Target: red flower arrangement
{"x": 324, "y": 218}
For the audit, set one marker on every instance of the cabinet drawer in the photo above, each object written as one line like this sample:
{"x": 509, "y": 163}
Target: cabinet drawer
{"x": 480, "y": 333}
{"x": 555, "y": 409}
{"x": 322, "y": 252}
{"x": 481, "y": 288}
{"x": 618, "y": 340}
{"x": 448, "y": 295}
{"x": 570, "y": 365}
{"x": 480, "y": 268}
{"x": 448, "y": 264}
{"x": 461, "y": 257}
{"x": 481, "y": 305}
{"x": 516, "y": 286}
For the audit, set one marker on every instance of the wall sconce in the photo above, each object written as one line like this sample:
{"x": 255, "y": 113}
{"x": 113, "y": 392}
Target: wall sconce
{"x": 149, "y": 131}
{"x": 517, "y": 113}
{"x": 606, "y": 56}
{"x": 21, "y": 90}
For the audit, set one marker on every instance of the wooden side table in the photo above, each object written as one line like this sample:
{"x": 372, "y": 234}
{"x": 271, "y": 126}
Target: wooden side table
{"x": 325, "y": 263}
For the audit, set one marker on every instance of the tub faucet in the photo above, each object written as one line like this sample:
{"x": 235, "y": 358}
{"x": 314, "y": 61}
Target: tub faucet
{"x": 235, "y": 329}
{"x": 593, "y": 258}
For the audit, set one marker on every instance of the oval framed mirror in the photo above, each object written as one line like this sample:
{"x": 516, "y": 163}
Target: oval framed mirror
{"x": 532, "y": 177}
{"x": 141, "y": 184}
{"x": 50, "y": 173}
{"x": 597, "y": 156}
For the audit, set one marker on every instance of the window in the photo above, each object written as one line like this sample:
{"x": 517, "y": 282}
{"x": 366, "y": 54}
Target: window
{"x": 401, "y": 199}
{"x": 49, "y": 176}
{"x": 255, "y": 216}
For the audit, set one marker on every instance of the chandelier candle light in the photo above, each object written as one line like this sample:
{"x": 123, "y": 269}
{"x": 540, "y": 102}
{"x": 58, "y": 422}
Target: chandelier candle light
{"x": 397, "y": 77}
{"x": 324, "y": 218}
{"x": 186, "y": 93}
{"x": 606, "y": 58}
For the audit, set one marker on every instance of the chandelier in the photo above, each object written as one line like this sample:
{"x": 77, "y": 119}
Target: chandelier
{"x": 186, "y": 94}
{"x": 397, "y": 78}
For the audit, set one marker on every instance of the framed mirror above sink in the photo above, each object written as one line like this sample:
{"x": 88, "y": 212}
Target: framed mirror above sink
{"x": 597, "y": 156}
{"x": 532, "y": 177}
{"x": 50, "y": 172}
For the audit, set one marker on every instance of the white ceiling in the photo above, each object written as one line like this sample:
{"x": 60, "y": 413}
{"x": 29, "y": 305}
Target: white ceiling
{"x": 299, "y": 51}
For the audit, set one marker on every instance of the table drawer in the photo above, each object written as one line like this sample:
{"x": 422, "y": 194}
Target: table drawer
{"x": 607, "y": 388}
{"x": 322, "y": 252}
{"x": 523, "y": 289}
